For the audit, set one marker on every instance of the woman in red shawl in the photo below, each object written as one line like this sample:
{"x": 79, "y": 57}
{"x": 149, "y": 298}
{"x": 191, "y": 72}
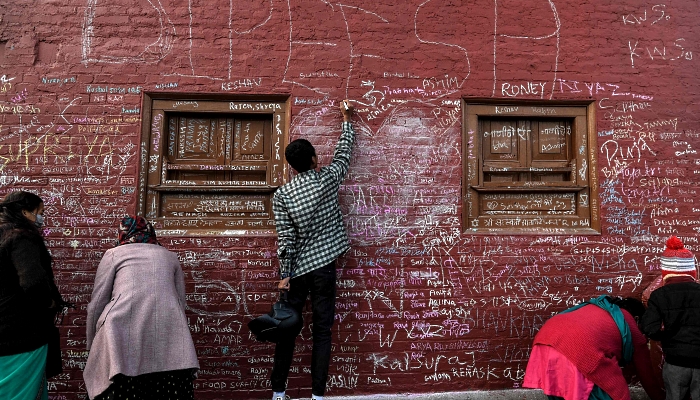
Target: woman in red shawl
{"x": 578, "y": 353}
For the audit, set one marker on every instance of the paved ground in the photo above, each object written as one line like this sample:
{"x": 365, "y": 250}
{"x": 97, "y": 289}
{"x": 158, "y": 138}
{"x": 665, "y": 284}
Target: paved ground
{"x": 514, "y": 394}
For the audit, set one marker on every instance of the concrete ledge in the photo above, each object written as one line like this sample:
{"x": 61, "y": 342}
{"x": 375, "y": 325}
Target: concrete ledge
{"x": 511, "y": 394}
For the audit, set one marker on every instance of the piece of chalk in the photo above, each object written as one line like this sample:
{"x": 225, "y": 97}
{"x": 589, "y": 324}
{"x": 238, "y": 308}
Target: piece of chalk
{"x": 345, "y": 104}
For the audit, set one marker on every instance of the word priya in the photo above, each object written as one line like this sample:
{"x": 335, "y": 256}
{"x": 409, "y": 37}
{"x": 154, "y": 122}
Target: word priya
{"x": 523, "y": 89}
{"x": 245, "y": 83}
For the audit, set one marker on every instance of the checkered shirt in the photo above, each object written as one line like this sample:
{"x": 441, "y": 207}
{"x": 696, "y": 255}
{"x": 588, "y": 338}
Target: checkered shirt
{"x": 310, "y": 230}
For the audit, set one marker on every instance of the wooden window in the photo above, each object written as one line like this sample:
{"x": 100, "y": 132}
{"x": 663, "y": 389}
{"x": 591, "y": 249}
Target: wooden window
{"x": 529, "y": 167}
{"x": 210, "y": 165}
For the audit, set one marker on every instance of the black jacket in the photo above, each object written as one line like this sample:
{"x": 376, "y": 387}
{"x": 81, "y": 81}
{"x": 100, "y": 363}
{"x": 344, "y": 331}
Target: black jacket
{"x": 673, "y": 317}
{"x": 27, "y": 290}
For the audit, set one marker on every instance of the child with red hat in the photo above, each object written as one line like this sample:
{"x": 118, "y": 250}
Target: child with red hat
{"x": 673, "y": 317}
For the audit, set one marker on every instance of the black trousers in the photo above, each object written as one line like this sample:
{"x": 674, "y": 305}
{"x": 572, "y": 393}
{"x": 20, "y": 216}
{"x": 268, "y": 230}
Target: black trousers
{"x": 320, "y": 283}
{"x": 166, "y": 385}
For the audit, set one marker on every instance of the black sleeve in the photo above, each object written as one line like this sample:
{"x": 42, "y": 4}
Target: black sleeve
{"x": 37, "y": 284}
{"x": 652, "y": 320}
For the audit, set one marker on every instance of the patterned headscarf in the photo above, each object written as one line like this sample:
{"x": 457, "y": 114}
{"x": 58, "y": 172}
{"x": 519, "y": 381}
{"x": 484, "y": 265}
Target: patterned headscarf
{"x": 135, "y": 229}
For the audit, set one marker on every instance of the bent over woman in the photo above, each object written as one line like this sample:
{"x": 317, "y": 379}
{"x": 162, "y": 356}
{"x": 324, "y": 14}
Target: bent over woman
{"x": 137, "y": 333}
{"x": 578, "y": 353}
{"x": 29, "y": 299}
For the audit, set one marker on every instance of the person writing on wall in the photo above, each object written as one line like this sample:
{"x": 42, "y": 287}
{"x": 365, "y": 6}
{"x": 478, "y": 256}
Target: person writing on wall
{"x": 311, "y": 235}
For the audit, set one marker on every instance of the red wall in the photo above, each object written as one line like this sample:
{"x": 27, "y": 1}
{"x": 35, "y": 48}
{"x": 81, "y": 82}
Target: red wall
{"x": 421, "y": 306}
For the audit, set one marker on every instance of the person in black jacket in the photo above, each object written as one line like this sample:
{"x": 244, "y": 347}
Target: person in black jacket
{"x": 673, "y": 317}
{"x": 29, "y": 299}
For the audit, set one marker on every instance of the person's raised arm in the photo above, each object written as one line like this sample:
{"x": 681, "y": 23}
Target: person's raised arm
{"x": 343, "y": 150}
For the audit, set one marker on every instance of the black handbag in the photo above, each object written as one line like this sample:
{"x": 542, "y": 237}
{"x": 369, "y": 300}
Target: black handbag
{"x": 283, "y": 321}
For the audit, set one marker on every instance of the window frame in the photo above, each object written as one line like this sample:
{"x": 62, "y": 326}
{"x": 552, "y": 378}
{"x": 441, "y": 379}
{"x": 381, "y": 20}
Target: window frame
{"x": 154, "y": 183}
{"x": 581, "y": 194}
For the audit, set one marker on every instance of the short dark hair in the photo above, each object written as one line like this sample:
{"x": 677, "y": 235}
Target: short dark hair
{"x": 298, "y": 154}
{"x": 630, "y": 304}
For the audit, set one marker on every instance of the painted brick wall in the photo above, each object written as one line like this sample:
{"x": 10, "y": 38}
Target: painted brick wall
{"x": 421, "y": 306}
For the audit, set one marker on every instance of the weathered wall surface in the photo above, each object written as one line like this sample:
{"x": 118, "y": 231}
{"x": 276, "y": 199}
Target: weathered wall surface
{"x": 421, "y": 306}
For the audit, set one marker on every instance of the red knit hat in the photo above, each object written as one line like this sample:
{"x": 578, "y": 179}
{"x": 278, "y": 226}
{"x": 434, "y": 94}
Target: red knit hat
{"x": 677, "y": 260}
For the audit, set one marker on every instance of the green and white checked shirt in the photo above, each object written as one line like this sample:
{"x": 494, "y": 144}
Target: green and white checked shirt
{"x": 310, "y": 230}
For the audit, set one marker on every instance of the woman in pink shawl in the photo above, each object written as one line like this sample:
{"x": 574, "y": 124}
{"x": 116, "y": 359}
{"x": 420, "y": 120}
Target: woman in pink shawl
{"x": 137, "y": 333}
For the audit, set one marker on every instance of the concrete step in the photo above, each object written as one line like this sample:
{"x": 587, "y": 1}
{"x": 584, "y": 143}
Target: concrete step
{"x": 511, "y": 394}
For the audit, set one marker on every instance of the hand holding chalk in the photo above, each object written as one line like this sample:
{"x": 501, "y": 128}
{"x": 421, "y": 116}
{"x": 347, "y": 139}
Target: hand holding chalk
{"x": 346, "y": 109}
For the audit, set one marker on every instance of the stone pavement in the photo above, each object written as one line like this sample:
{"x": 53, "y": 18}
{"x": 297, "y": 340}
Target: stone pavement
{"x": 511, "y": 394}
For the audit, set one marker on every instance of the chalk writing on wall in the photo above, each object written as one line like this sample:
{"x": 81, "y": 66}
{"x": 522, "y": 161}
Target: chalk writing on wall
{"x": 419, "y": 301}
